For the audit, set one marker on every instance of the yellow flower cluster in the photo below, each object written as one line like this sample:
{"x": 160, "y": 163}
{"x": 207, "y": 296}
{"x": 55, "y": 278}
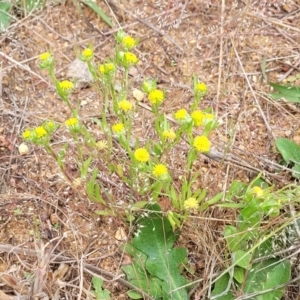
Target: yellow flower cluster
{"x": 169, "y": 135}
{"x": 71, "y": 122}
{"x": 66, "y": 86}
{"x": 141, "y": 155}
{"x": 191, "y": 204}
{"x": 181, "y": 114}
{"x": 87, "y": 53}
{"x": 156, "y": 97}
{"x": 130, "y": 59}
{"x": 107, "y": 68}
{"x": 125, "y": 105}
{"x": 202, "y": 144}
{"x": 40, "y": 132}
{"x": 118, "y": 128}
{"x": 45, "y": 56}
{"x": 201, "y": 87}
{"x": 128, "y": 42}
{"x": 258, "y": 191}
{"x": 197, "y": 117}
{"x": 160, "y": 171}
{"x": 101, "y": 145}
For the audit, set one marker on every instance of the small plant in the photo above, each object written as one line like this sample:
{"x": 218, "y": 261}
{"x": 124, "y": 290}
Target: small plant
{"x": 100, "y": 293}
{"x": 251, "y": 239}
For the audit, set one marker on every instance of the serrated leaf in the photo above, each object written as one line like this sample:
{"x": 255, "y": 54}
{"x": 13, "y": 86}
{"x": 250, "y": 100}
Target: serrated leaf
{"x": 156, "y": 259}
{"x": 100, "y": 293}
{"x": 290, "y": 93}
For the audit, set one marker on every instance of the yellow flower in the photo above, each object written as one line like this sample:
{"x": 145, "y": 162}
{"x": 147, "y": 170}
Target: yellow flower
{"x": 169, "y": 135}
{"x": 40, "y": 132}
{"x": 72, "y": 122}
{"x": 181, "y": 114}
{"x": 160, "y": 171}
{"x": 258, "y": 192}
{"x": 156, "y": 97}
{"x": 128, "y": 42}
{"x": 125, "y": 105}
{"x": 197, "y": 117}
{"x": 87, "y": 53}
{"x": 106, "y": 68}
{"x": 130, "y": 59}
{"x": 66, "y": 86}
{"x": 118, "y": 128}
{"x": 77, "y": 182}
{"x": 26, "y": 134}
{"x": 45, "y": 56}
{"x": 201, "y": 143}
{"x": 101, "y": 145}
{"x": 49, "y": 126}
{"x": 141, "y": 155}
{"x": 190, "y": 204}
{"x": 201, "y": 88}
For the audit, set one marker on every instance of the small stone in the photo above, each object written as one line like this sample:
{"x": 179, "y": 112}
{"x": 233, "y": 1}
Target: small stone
{"x": 23, "y": 149}
{"x": 138, "y": 95}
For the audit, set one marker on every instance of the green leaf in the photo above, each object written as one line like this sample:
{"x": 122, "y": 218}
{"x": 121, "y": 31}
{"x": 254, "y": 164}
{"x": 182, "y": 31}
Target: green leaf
{"x": 239, "y": 274}
{"x": 134, "y": 295}
{"x": 98, "y": 10}
{"x": 156, "y": 259}
{"x": 267, "y": 275}
{"x": 242, "y": 259}
{"x": 5, "y": 17}
{"x": 221, "y": 286}
{"x": 290, "y": 152}
{"x": 99, "y": 292}
{"x": 291, "y": 94}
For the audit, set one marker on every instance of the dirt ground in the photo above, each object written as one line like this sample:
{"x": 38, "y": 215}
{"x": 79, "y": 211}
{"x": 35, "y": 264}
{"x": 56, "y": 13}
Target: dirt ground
{"x": 223, "y": 42}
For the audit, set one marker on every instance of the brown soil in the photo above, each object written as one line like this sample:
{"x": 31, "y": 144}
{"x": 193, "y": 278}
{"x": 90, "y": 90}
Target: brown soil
{"x": 223, "y": 42}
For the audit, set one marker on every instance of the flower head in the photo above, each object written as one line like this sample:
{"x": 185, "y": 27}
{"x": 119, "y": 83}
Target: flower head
{"x": 258, "y": 191}
{"x": 201, "y": 88}
{"x": 160, "y": 171}
{"x": 46, "y": 60}
{"x": 169, "y": 135}
{"x": 125, "y": 105}
{"x": 182, "y": 116}
{"x": 191, "y": 204}
{"x": 50, "y": 126}
{"x": 101, "y": 145}
{"x": 73, "y": 124}
{"x": 156, "y": 97}
{"x": 45, "y": 56}
{"x": 87, "y": 54}
{"x": 141, "y": 155}
{"x": 197, "y": 117}
{"x": 202, "y": 144}
{"x": 40, "y": 132}
{"x": 66, "y": 86}
{"x": 107, "y": 68}
{"x": 129, "y": 59}
{"x": 27, "y": 134}
{"x": 118, "y": 128}
{"x": 128, "y": 42}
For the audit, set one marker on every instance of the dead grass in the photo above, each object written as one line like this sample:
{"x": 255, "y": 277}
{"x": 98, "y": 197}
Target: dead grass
{"x": 224, "y": 42}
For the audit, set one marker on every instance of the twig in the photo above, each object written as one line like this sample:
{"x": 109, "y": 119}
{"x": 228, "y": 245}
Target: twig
{"x": 86, "y": 267}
